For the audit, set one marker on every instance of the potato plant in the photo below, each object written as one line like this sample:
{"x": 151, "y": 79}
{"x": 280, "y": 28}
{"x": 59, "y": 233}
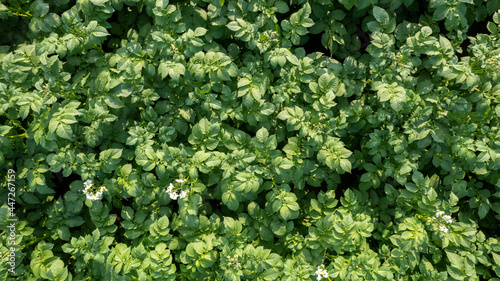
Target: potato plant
{"x": 250, "y": 140}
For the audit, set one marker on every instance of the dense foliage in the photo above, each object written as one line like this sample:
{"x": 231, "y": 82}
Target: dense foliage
{"x": 250, "y": 140}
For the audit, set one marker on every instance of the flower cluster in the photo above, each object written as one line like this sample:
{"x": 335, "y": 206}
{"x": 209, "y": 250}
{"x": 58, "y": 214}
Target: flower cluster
{"x": 233, "y": 262}
{"x": 173, "y": 194}
{"x": 442, "y": 217}
{"x": 443, "y": 228}
{"x": 321, "y": 273}
{"x": 446, "y": 218}
{"x": 494, "y": 61}
{"x": 93, "y": 196}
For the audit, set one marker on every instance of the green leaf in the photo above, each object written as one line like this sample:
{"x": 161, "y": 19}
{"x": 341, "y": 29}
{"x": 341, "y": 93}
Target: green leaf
{"x": 30, "y": 198}
{"x": 285, "y": 212}
{"x": 281, "y": 7}
{"x": 456, "y": 273}
{"x": 39, "y": 8}
{"x": 267, "y": 109}
{"x": 283, "y": 115}
{"x": 441, "y": 12}
{"x": 397, "y": 102}
{"x": 127, "y": 213}
{"x": 286, "y": 164}
{"x": 229, "y": 199}
{"x": 324, "y": 82}
{"x": 63, "y": 232}
{"x": 75, "y": 221}
{"x": 110, "y": 158}
{"x": 345, "y": 164}
{"x": 68, "y": 119}
{"x": 454, "y": 259}
{"x": 64, "y": 131}
{"x": 262, "y": 134}
{"x": 348, "y": 4}
{"x": 100, "y": 31}
{"x": 483, "y": 210}
{"x": 204, "y": 125}
{"x": 496, "y": 258}
{"x": 100, "y": 3}
{"x": 58, "y": 271}
{"x": 53, "y": 123}
{"x": 380, "y": 15}
{"x": 163, "y": 70}
{"x": 426, "y": 31}
{"x": 200, "y": 31}
{"x": 271, "y": 274}
{"x": 133, "y": 233}
{"x": 113, "y": 102}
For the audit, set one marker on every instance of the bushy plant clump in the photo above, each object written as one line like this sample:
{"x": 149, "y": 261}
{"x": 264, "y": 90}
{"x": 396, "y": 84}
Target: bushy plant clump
{"x": 250, "y": 140}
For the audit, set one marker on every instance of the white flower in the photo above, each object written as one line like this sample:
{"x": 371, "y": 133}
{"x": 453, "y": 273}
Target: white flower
{"x": 90, "y": 195}
{"x": 321, "y": 273}
{"x": 173, "y": 195}
{"x": 318, "y": 273}
{"x": 233, "y": 262}
{"x": 443, "y": 228}
{"x": 183, "y": 194}
{"x": 170, "y": 188}
{"x": 439, "y": 214}
{"x": 94, "y": 197}
{"x": 87, "y": 183}
{"x": 447, "y": 219}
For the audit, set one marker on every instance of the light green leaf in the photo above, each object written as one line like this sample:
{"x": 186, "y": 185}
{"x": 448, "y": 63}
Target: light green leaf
{"x": 426, "y": 31}
{"x": 397, "y": 102}
{"x": 286, "y": 164}
{"x": 204, "y": 126}
{"x": 68, "y": 119}
{"x": 262, "y": 134}
{"x": 267, "y": 108}
{"x": 496, "y": 258}
{"x": 346, "y": 165}
{"x": 100, "y": 3}
{"x": 64, "y": 131}
{"x": 113, "y": 102}
{"x": 101, "y": 32}
{"x": 380, "y": 15}
{"x": 271, "y": 274}
{"x": 200, "y": 31}
{"x": 285, "y": 212}
{"x": 229, "y": 199}
{"x": 112, "y": 153}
